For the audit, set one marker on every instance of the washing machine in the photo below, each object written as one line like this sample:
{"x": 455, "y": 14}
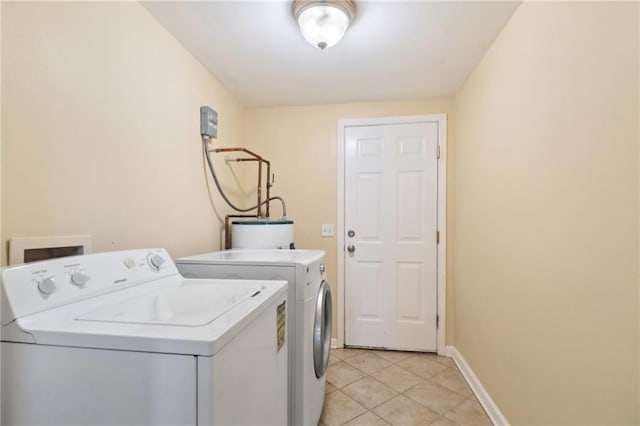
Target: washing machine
{"x": 308, "y": 322}
{"x": 122, "y": 338}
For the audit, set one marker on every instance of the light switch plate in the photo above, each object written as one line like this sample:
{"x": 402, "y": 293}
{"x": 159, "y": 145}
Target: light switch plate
{"x": 326, "y": 230}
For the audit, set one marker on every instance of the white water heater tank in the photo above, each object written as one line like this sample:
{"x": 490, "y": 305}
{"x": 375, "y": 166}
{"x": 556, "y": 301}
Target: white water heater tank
{"x": 262, "y": 234}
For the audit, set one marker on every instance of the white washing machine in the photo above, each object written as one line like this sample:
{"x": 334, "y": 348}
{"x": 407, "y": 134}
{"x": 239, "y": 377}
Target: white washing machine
{"x": 309, "y": 324}
{"x": 121, "y": 338}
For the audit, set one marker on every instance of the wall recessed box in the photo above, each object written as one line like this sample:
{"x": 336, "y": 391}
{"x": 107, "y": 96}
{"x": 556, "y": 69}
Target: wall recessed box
{"x": 32, "y": 249}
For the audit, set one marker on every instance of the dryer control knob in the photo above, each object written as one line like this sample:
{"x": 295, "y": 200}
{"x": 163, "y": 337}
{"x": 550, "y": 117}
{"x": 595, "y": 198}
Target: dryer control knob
{"x": 80, "y": 279}
{"x": 156, "y": 261}
{"x": 47, "y": 285}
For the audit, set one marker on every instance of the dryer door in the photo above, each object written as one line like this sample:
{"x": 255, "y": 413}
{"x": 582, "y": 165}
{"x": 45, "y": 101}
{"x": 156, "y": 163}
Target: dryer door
{"x": 322, "y": 330}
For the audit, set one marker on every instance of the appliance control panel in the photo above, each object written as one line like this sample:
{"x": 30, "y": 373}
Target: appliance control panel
{"x": 315, "y": 274}
{"x": 40, "y": 286}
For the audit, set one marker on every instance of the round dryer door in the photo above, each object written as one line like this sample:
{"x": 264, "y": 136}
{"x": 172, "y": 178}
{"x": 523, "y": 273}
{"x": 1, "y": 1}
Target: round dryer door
{"x": 322, "y": 330}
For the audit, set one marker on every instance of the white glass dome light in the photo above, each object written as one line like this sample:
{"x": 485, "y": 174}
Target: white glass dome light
{"x": 323, "y": 22}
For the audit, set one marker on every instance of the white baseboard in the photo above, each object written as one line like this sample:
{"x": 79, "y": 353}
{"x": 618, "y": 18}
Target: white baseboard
{"x": 334, "y": 343}
{"x": 481, "y": 393}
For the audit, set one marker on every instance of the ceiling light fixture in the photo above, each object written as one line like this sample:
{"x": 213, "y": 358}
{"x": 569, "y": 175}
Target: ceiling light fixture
{"x": 323, "y": 22}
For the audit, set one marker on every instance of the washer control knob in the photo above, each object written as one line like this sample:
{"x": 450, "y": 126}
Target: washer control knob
{"x": 47, "y": 285}
{"x": 129, "y": 263}
{"x": 80, "y": 279}
{"x": 156, "y": 261}
{"x": 322, "y": 268}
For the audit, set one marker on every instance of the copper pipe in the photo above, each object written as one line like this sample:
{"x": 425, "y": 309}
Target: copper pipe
{"x": 259, "y": 188}
{"x": 268, "y": 186}
{"x": 260, "y": 160}
{"x": 227, "y": 228}
{"x": 237, "y": 150}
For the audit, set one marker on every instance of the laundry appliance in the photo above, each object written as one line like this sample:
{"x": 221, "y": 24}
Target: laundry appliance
{"x": 308, "y": 320}
{"x": 122, "y": 338}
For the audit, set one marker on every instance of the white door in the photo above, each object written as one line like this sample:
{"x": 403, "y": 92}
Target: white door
{"x": 391, "y": 183}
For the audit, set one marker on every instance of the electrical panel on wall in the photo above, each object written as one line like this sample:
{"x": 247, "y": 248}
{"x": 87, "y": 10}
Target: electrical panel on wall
{"x": 208, "y": 122}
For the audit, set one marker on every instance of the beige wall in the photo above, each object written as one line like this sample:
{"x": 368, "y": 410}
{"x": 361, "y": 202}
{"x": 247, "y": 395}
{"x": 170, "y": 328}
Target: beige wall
{"x": 546, "y": 244}
{"x": 301, "y": 144}
{"x": 100, "y": 129}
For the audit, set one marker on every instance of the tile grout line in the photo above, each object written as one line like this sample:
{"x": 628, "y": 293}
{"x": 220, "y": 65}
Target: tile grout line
{"x": 423, "y": 380}
{"x": 403, "y": 393}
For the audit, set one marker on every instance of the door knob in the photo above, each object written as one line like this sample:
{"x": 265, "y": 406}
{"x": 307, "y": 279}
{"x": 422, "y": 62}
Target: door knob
{"x": 351, "y": 248}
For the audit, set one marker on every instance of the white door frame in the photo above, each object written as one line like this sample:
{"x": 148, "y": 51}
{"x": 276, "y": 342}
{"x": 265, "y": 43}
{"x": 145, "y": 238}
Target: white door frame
{"x": 441, "y": 285}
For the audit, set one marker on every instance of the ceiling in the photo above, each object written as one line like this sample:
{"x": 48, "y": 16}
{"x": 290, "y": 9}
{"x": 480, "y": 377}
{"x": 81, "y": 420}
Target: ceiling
{"x": 394, "y": 50}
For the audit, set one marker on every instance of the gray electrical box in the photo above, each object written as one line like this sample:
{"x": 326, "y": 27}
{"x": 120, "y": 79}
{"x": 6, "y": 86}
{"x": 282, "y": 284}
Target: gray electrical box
{"x": 208, "y": 122}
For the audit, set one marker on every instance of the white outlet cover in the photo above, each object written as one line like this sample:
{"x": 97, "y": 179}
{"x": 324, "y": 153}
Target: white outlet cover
{"x": 326, "y": 230}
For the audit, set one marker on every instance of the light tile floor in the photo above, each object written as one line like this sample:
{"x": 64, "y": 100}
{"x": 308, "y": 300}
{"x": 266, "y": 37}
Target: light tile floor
{"x": 371, "y": 388}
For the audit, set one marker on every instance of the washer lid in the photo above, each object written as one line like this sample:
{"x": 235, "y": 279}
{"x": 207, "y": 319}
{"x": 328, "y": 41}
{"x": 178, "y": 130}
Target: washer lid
{"x": 193, "y": 304}
{"x": 170, "y": 315}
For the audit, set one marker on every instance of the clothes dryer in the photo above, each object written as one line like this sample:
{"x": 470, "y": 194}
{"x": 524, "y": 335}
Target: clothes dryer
{"x": 309, "y": 320}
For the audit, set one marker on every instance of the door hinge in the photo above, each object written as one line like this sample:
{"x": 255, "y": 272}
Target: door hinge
{"x": 437, "y": 237}
{"x": 438, "y": 152}
{"x": 437, "y": 321}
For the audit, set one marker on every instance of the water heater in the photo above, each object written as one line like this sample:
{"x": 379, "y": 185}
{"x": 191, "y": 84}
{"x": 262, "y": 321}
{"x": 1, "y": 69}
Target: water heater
{"x": 262, "y": 234}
